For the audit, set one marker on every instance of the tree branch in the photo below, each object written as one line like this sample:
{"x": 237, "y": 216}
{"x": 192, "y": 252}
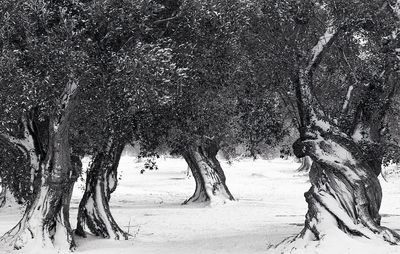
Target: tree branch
{"x": 324, "y": 42}
{"x": 304, "y": 91}
{"x": 350, "y": 89}
{"x": 165, "y": 20}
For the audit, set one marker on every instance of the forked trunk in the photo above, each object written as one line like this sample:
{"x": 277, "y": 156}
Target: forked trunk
{"x": 306, "y": 163}
{"x": 208, "y": 174}
{"x": 94, "y": 209}
{"x": 345, "y": 194}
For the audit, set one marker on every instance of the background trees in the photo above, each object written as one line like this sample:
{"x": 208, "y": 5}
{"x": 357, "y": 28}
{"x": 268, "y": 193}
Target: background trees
{"x": 211, "y": 103}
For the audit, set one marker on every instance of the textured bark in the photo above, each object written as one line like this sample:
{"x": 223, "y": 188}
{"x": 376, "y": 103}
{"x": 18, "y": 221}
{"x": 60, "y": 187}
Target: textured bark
{"x": 27, "y": 144}
{"x": 345, "y": 191}
{"x": 94, "y": 210}
{"x": 306, "y": 163}
{"x": 46, "y": 219}
{"x": 345, "y": 194}
{"x": 3, "y": 194}
{"x": 207, "y": 173}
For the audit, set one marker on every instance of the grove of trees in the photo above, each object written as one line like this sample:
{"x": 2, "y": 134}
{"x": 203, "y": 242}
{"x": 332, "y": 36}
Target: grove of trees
{"x": 86, "y": 78}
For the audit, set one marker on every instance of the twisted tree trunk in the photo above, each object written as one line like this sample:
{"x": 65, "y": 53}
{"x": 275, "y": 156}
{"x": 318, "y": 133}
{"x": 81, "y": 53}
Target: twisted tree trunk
{"x": 94, "y": 210}
{"x": 46, "y": 219}
{"x": 345, "y": 192}
{"x": 207, "y": 173}
{"x": 306, "y": 163}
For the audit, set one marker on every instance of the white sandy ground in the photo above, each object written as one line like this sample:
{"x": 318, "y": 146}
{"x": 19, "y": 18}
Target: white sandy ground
{"x": 270, "y": 207}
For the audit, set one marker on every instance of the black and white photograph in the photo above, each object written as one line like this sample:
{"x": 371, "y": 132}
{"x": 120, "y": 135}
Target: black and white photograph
{"x": 199, "y": 126}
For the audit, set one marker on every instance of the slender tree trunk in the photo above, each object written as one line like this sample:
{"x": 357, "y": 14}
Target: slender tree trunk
{"x": 207, "y": 173}
{"x": 188, "y": 172}
{"x": 3, "y": 194}
{"x": 94, "y": 209}
{"x": 306, "y": 163}
{"x": 46, "y": 219}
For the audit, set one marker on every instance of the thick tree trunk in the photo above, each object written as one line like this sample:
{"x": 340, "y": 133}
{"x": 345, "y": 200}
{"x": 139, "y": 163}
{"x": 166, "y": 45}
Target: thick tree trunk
{"x": 94, "y": 210}
{"x": 345, "y": 194}
{"x": 207, "y": 173}
{"x": 306, "y": 163}
{"x": 46, "y": 219}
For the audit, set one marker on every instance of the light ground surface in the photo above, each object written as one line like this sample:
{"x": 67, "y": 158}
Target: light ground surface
{"x": 270, "y": 207}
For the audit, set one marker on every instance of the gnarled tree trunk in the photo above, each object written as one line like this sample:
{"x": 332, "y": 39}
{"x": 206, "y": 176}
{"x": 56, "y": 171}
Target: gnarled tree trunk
{"x": 306, "y": 163}
{"x": 94, "y": 209}
{"x": 207, "y": 173}
{"x": 345, "y": 192}
{"x": 46, "y": 219}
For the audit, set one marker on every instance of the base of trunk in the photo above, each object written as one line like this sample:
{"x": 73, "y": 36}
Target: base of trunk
{"x": 208, "y": 175}
{"x": 306, "y": 163}
{"x": 334, "y": 242}
{"x": 324, "y": 229}
{"x": 344, "y": 198}
{"x": 45, "y": 223}
{"x": 94, "y": 210}
{"x": 95, "y": 216}
{"x": 199, "y": 196}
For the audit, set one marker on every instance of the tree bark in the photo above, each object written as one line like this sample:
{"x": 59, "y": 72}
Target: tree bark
{"x": 207, "y": 173}
{"x": 345, "y": 191}
{"x": 306, "y": 163}
{"x": 3, "y": 194}
{"x": 345, "y": 194}
{"x": 46, "y": 219}
{"x": 27, "y": 144}
{"x": 94, "y": 210}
